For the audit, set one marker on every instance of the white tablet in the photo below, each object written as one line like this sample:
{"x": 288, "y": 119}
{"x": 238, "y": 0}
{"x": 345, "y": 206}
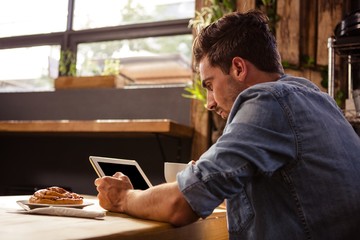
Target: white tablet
{"x": 109, "y": 166}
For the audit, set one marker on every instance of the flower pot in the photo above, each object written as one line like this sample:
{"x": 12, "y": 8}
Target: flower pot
{"x": 69, "y": 82}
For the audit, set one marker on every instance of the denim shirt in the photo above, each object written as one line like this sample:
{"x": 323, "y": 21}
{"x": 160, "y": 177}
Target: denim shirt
{"x": 288, "y": 165}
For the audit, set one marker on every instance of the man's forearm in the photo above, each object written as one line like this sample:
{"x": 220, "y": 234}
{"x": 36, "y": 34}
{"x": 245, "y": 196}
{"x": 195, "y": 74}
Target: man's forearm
{"x": 163, "y": 203}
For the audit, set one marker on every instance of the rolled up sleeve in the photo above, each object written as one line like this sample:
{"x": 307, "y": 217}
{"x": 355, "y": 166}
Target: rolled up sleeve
{"x": 196, "y": 192}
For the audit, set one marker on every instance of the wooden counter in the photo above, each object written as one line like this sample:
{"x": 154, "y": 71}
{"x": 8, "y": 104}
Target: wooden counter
{"x": 57, "y": 152}
{"x": 14, "y": 225}
{"x": 115, "y": 127}
{"x": 355, "y": 123}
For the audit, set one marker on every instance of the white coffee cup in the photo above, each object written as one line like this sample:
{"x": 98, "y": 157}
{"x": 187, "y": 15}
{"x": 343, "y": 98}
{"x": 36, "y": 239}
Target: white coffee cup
{"x": 171, "y": 169}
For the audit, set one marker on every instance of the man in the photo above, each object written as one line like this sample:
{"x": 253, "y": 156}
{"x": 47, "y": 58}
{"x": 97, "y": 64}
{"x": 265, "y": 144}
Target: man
{"x": 288, "y": 162}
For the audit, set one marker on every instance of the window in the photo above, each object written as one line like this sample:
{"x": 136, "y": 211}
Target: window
{"x": 147, "y": 43}
{"x": 95, "y": 14}
{"x": 151, "y": 60}
{"x": 31, "y": 68}
{"x": 21, "y": 17}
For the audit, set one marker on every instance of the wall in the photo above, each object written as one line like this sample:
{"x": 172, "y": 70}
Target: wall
{"x": 88, "y": 104}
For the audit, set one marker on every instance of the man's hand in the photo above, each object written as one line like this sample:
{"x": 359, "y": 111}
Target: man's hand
{"x": 163, "y": 202}
{"x": 112, "y": 191}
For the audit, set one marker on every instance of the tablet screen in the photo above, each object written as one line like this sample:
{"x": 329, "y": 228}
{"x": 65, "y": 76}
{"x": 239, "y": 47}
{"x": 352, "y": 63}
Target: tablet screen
{"x": 109, "y": 166}
{"x": 131, "y": 171}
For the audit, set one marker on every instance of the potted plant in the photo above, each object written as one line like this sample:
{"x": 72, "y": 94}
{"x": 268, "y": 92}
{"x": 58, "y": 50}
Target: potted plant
{"x": 109, "y": 78}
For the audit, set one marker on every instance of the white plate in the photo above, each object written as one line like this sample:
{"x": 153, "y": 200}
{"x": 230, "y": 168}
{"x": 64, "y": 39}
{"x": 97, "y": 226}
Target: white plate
{"x": 38, "y": 205}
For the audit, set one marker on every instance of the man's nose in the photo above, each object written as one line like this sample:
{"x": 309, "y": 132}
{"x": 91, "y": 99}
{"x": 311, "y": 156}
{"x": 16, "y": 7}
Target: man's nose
{"x": 210, "y": 102}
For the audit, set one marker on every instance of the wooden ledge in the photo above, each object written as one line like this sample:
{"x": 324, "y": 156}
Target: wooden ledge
{"x": 160, "y": 126}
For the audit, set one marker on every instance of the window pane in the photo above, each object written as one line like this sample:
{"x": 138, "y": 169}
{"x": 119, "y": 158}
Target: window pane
{"x": 23, "y": 17}
{"x": 29, "y": 69}
{"x": 105, "y": 13}
{"x": 153, "y": 60}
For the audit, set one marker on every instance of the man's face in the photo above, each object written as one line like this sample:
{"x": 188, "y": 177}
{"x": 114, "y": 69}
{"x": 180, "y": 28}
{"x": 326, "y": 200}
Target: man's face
{"x": 222, "y": 89}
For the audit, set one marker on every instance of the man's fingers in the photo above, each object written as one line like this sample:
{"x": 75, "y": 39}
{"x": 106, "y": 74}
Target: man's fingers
{"x": 97, "y": 181}
{"x": 118, "y": 175}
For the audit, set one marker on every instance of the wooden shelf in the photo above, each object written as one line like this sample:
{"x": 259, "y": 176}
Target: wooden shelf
{"x": 143, "y": 126}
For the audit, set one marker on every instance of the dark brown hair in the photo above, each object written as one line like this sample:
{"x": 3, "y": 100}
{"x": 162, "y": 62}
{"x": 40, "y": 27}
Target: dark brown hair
{"x": 245, "y": 35}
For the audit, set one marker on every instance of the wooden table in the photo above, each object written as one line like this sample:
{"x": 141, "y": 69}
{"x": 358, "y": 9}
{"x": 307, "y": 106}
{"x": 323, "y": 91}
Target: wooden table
{"x": 14, "y": 225}
{"x": 96, "y": 127}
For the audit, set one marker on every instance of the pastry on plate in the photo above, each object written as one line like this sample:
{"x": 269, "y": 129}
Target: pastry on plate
{"x": 55, "y": 195}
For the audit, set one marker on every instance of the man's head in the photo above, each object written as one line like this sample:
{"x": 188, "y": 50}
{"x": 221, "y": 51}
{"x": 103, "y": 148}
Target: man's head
{"x": 245, "y": 35}
{"x": 233, "y": 54}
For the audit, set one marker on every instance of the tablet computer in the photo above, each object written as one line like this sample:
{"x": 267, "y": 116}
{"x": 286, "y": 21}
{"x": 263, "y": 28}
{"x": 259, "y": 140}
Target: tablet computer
{"x": 105, "y": 166}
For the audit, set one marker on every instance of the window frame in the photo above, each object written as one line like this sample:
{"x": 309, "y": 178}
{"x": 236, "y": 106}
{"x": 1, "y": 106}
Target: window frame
{"x": 69, "y": 39}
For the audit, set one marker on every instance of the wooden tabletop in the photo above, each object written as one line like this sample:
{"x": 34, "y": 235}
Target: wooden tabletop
{"x": 143, "y": 126}
{"x": 16, "y": 225}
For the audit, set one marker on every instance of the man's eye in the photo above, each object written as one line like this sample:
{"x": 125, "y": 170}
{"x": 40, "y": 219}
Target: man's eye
{"x": 208, "y": 87}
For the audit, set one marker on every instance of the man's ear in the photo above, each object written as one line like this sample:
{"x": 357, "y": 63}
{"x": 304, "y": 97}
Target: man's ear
{"x": 239, "y": 68}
